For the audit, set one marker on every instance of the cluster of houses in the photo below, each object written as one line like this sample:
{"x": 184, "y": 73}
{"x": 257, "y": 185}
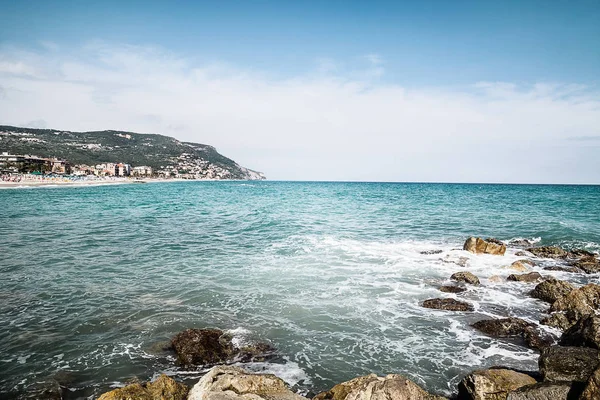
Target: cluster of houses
{"x": 32, "y": 164}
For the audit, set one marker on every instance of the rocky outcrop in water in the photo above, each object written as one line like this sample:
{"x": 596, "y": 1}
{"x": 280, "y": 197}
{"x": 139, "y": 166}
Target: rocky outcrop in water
{"x": 213, "y": 346}
{"x": 568, "y": 364}
{"x": 585, "y": 333}
{"x": 480, "y": 246}
{"x": 234, "y": 383}
{"x": 466, "y": 277}
{"x": 164, "y": 388}
{"x": 551, "y": 290}
{"x": 492, "y": 384}
{"x": 448, "y": 305}
{"x": 515, "y": 328}
{"x": 530, "y": 277}
{"x": 520, "y": 265}
{"x": 452, "y": 289}
{"x": 373, "y": 387}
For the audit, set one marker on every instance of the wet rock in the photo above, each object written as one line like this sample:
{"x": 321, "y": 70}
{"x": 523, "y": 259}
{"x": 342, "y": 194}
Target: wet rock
{"x": 429, "y": 252}
{"x": 579, "y": 253}
{"x": 448, "y": 305}
{"x": 563, "y": 269}
{"x": 234, "y": 383}
{"x": 551, "y": 290}
{"x": 164, "y": 388}
{"x": 544, "y": 391}
{"x": 565, "y": 364}
{"x": 585, "y": 333}
{"x": 592, "y": 387}
{"x": 537, "y": 339}
{"x": 496, "y": 279}
{"x": 372, "y": 387}
{"x": 520, "y": 243}
{"x": 530, "y": 277}
{"x": 203, "y": 347}
{"x": 590, "y": 265}
{"x": 578, "y": 303}
{"x": 492, "y": 384}
{"x": 504, "y": 327}
{"x": 557, "y": 320}
{"x": 452, "y": 289}
{"x": 519, "y": 265}
{"x": 548, "y": 252}
{"x": 523, "y": 254}
{"x": 213, "y": 346}
{"x": 465, "y": 277}
{"x": 480, "y": 246}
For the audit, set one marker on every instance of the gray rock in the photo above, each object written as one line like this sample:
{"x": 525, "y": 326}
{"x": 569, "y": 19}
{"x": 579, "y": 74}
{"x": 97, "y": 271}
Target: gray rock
{"x": 465, "y": 277}
{"x": 530, "y": 277}
{"x": 447, "y": 304}
{"x": 452, "y": 289}
{"x": 564, "y": 364}
{"x": 542, "y": 391}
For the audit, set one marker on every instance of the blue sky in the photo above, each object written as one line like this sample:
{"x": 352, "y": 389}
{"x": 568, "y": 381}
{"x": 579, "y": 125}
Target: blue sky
{"x": 349, "y": 72}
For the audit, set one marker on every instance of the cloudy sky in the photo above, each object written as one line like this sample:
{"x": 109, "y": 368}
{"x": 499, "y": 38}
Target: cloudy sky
{"x": 432, "y": 91}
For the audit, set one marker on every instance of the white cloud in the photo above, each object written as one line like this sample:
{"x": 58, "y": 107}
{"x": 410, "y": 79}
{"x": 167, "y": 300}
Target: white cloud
{"x": 320, "y": 125}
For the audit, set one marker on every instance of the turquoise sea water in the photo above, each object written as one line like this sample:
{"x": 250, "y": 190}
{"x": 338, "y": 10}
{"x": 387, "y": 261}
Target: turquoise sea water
{"x": 93, "y": 279}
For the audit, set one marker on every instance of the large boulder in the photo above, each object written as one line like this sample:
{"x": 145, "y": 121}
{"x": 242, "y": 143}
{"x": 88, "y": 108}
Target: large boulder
{"x": 551, "y": 290}
{"x": 492, "y": 384}
{"x": 592, "y": 387}
{"x": 565, "y": 364}
{"x": 465, "y": 277}
{"x": 163, "y": 388}
{"x": 585, "y": 332}
{"x": 543, "y": 391}
{"x": 530, "y": 277}
{"x": 480, "y": 246}
{"x": 234, "y": 383}
{"x": 548, "y": 252}
{"x": 578, "y": 303}
{"x": 213, "y": 346}
{"x": 447, "y": 304}
{"x": 373, "y": 387}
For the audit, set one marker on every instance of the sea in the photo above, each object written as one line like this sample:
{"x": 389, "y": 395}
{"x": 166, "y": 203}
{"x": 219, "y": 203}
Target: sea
{"x": 95, "y": 280}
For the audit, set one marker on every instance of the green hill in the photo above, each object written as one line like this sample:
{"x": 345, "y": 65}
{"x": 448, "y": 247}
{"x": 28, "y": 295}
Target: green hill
{"x": 157, "y": 151}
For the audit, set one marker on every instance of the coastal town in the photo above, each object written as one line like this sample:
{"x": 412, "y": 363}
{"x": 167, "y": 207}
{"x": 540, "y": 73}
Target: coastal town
{"x": 30, "y": 168}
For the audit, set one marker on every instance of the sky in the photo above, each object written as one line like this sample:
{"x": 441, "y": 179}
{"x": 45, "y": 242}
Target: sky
{"x": 426, "y": 91}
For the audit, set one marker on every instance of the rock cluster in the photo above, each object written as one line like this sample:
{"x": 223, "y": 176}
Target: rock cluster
{"x": 569, "y": 370}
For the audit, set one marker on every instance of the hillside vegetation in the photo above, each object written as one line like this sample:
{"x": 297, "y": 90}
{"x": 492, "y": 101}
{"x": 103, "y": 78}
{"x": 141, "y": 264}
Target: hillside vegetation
{"x": 157, "y": 151}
